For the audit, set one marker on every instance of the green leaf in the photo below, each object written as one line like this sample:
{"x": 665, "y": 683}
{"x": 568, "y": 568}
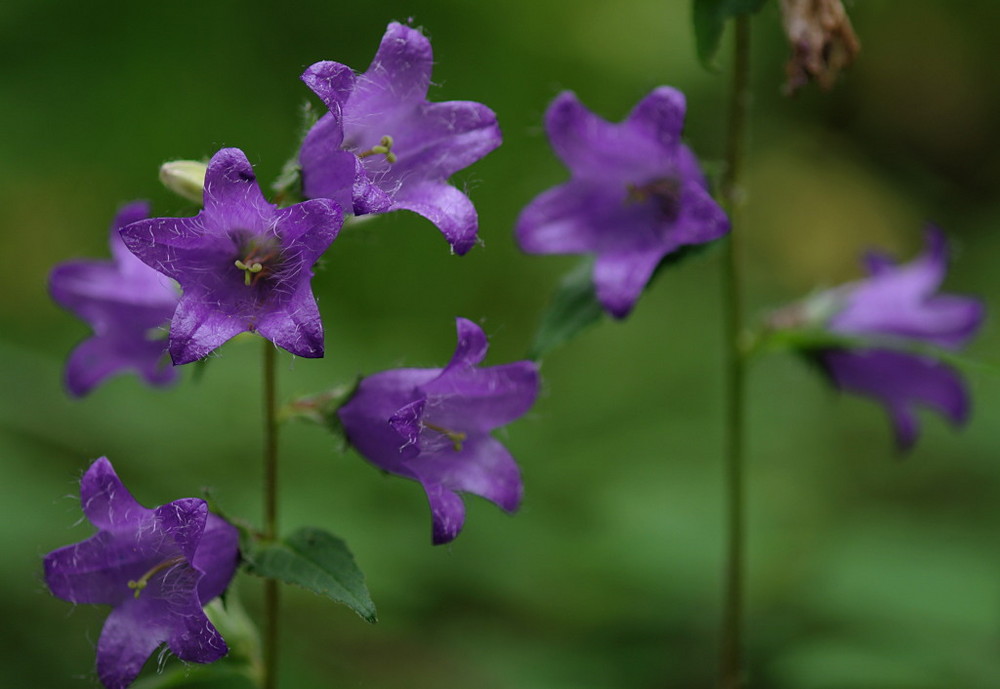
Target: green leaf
{"x": 573, "y": 308}
{"x": 315, "y": 560}
{"x": 710, "y": 17}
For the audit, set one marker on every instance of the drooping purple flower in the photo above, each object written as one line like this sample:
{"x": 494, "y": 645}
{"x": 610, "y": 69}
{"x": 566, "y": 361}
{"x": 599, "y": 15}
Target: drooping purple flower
{"x": 899, "y": 305}
{"x": 127, "y": 304}
{"x": 433, "y": 426}
{"x": 155, "y": 567}
{"x": 384, "y": 147}
{"x": 242, "y": 263}
{"x": 636, "y": 194}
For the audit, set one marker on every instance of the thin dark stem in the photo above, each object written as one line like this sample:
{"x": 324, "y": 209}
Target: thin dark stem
{"x": 270, "y": 514}
{"x": 732, "y": 674}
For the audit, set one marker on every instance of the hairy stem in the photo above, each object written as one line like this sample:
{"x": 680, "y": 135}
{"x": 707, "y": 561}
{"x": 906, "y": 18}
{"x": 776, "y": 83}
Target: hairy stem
{"x": 270, "y": 627}
{"x": 732, "y": 674}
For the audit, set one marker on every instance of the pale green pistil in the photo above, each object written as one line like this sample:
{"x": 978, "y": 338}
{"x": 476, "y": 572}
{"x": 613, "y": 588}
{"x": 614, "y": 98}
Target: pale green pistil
{"x": 384, "y": 148}
{"x": 456, "y": 437}
{"x": 143, "y": 581}
{"x": 248, "y": 271}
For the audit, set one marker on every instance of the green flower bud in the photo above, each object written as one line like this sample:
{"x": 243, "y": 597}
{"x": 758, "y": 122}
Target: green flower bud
{"x": 185, "y": 178}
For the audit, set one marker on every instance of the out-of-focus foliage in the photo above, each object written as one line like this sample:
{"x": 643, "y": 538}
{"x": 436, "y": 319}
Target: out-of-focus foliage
{"x": 865, "y": 573}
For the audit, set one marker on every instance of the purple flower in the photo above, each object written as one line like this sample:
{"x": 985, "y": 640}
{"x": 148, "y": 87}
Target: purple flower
{"x": 125, "y": 302}
{"x": 635, "y": 195}
{"x": 899, "y": 305}
{"x": 433, "y": 425}
{"x": 242, "y": 263}
{"x": 384, "y": 147}
{"x": 155, "y": 567}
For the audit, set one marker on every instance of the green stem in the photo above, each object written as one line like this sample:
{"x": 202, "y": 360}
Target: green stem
{"x": 270, "y": 514}
{"x": 732, "y": 675}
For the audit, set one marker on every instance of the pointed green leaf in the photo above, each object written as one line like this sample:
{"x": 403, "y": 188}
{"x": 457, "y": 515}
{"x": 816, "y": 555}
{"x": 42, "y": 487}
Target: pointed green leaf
{"x": 573, "y": 308}
{"x": 710, "y": 17}
{"x": 316, "y": 561}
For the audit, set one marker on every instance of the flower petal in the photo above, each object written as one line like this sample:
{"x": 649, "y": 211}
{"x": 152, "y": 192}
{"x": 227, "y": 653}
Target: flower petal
{"x": 445, "y": 206}
{"x": 900, "y": 382}
{"x": 294, "y": 324}
{"x": 333, "y": 83}
{"x": 127, "y": 214}
{"x": 197, "y": 329}
{"x": 560, "y": 220}
{"x": 447, "y": 513}
{"x": 184, "y": 521}
{"x": 399, "y": 74}
{"x": 232, "y": 195}
{"x": 106, "y": 501}
{"x": 701, "y": 219}
{"x": 481, "y": 399}
{"x": 483, "y": 467}
{"x": 217, "y": 557}
{"x": 595, "y": 149}
{"x": 439, "y": 139}
{"x": 660, "y": 117}
{"x": 899, "y": 301}
{"x": 193, "y": 638}
{"x": 85, "y": 573}
{"x": 130, "y": 635}
{"x": 620, "y": 278}
{"x": 307, "y": 229}
{"x": 91, "y": 362}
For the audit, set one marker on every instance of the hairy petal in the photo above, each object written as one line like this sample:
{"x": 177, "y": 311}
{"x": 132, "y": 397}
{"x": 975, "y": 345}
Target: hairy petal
{"x": 445, "y": 206}
{"x": 197, "y": 330}
{"x": 130, "y": 635}
{"x": 106, "y": 502}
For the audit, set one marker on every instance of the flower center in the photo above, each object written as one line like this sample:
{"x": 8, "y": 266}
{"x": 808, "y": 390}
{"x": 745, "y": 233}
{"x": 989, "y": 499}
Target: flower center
{"x": 260, "y": 259}
{"x": 384, "y": 148}
{"x": 456, "y": 437}
{"x": 139, "y": 584}
{"x": 665, "y": 192}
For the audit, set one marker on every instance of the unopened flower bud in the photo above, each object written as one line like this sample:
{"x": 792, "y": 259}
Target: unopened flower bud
{"x": 185, "y": 178}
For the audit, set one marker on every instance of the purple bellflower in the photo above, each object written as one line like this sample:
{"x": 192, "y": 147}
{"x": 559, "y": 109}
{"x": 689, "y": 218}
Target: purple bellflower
{"x": 897, "y": 307}
{"x": 384, "y": 147}
{"x": 155, "y": 567}
{"x": 125, "y": 302}
{"x": 242, "y": 263}
{"x": 635, "y": 195}
{"x": 433, "y": 426}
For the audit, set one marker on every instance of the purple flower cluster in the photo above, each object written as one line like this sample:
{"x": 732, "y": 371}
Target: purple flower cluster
{"x": 433, "y": 426}
{"x": 155, "y": 567}
{"x": 895, "y": 308}
{"x": 635, "y": 195}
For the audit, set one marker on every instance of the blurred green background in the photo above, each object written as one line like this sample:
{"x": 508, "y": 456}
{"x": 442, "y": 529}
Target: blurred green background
{"x": 866, "y": 572}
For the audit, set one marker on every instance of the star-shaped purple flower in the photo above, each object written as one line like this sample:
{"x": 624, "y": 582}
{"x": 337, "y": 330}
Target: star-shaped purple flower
{"x": 242, "y": 263}
{"x": 901, "y": 304}
{"x": 636, "y": 194}
{"x": 384, "y": 147}
{"x": 126, "y": 303}
{"x": 155, "y": 567}
{"x": 433, "y": 426}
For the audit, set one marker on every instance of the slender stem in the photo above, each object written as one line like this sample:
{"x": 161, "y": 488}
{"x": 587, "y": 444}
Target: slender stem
{"x": 270, "y": 514}
{"x": 732, "y": 674}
